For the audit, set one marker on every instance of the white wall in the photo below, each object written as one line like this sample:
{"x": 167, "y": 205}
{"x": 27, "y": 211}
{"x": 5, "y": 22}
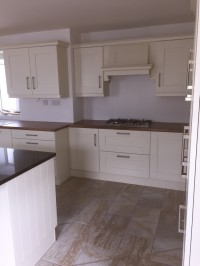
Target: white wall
{"x": 134, "y": 97}
{"x": 153, "y": 31}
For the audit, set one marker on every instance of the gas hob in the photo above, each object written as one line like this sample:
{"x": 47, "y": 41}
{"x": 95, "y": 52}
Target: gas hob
{"x": 129, "y": 123}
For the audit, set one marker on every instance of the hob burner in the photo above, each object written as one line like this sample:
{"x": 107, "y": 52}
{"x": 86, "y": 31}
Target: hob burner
{"x": 129, "y": 122}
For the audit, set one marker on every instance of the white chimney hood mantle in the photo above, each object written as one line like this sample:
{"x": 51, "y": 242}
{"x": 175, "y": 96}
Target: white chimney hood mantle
{"x": 108, "y": 72}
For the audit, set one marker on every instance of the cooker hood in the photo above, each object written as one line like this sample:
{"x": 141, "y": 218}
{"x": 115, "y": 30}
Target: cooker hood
{"x": 108, "y": 72}
{"x": 126, "y": 59}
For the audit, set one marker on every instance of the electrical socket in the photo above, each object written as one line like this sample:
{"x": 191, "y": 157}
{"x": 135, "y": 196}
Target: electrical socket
{"x": 45, "y": 102}
{"x": 56, "y": 102}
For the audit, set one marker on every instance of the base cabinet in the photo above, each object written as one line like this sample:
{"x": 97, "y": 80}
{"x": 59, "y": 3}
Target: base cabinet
{"x": 84, "y": 149}
{"x": 5, "y": 138}
{"x": 125, "y": 164}
{"x": 46, "y": 141}
{"x": 28, "y": 216}
{"x": 165, "y": 156}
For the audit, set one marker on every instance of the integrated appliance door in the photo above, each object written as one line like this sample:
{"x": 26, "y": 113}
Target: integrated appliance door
{"x": 192, "y": 230}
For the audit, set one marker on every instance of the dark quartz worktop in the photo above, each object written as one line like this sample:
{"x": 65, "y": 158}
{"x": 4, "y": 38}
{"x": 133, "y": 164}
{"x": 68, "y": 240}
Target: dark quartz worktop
{"x": 15, "y": 162}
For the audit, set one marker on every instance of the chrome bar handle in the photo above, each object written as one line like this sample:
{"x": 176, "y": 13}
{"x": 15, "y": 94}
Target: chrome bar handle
{"x": 27, "y": 83}
{"x": 123, "y": 133}
{"x": 33, "y": 82}
{"x": 31, "y": 135}
{"x": 99, "y": 82}
{"x": 95, "y": 139}
{"x": 159, "y": 77}
{"x": 181, "y": 219}
{"x": 32, "y": 143}
{"x": 123, "y": 156}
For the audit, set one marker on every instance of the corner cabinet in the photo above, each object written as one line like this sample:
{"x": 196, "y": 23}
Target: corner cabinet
{"x": 37, "y": 71}
{"x": 165, "y": 156}
{"x": 46, "y": 141}
{"x": 84, "y": 149}
{"x": 170, "y": 59}
{"x": 88, "y": 62}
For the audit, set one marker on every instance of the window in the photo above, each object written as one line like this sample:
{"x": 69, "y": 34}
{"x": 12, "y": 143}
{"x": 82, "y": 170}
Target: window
{"x": 7, "y": 105}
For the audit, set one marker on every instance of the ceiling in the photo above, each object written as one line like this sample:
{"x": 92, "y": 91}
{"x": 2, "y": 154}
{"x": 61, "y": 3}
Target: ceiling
{"x": 19, "y": 16}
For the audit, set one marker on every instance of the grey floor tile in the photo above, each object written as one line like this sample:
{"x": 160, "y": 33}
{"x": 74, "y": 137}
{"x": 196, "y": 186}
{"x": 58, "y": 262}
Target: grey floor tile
{"x": 109, "y": 232}
{"x": 91, "y": 254}
{"x": 171, "y": 257}
{"x": 143, "y": 222}
{"x": 152, "y": 200}
{"x": 45, "y": 263}
{"x": 108, "y": 223}
{"x": 126, "y": 201}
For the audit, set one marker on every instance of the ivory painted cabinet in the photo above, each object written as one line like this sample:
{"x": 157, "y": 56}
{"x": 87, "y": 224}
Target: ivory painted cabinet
{"x": 165, "y": 156}
{"x": 88, "y": 62}
{"x": 5, "y": 138}
{"x": 124, "y": 152}
{"x": 170, "y": 59}
{"x": 46, "y": 141}
{"x": 125, "y": 55}
{"x": 38, "y": 71}
{"x": 84, "y": 149}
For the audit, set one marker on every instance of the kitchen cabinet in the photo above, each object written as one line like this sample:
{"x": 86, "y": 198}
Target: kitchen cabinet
{"x": 132, "y": 54}
{"x": 84, "y": 149}
{"x": 88, "y": 62}
{"x": 46, "y": 141}
{"x": 170, "y": 59}
{"x": 38, "y": 71}
{"x": 5, "y": 138}
{"x": 165, "y": 156}
{"x": 124, "y": 152}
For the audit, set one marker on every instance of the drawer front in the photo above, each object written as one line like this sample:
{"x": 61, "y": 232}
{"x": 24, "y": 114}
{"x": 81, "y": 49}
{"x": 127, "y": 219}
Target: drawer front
{"x": 124, "y": 141}
{"x": 5, "y": 138}
{"x": 29, "y": 134}
{"x": 124, "y": 163}
{"x": 34, "y": 145}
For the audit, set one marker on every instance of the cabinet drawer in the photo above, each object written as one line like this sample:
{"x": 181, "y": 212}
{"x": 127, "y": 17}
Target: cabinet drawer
{"x": 124, "y": 163}
{"x": 34, "y": 145}
{"x": 124, "y": 141}
{"x": 5, "y": 138}
{"x": 29, "y": 134}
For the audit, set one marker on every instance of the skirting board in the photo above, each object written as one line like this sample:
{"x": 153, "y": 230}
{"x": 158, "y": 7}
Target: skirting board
{"x": 150, "y": 182}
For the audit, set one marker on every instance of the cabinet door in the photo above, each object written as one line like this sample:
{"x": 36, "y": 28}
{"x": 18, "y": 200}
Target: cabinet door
{"x": 171, "y": 63}
{"x": 165, "y": 156}
{"x": 44, "y": 70}
{"x": 18, "y": 74}
{"x": 125, "y": 55}
{"x": 129, "y": 141}
{"x": 84, "y": 151}
{"x": 88, "y": 73}
{"x": 5, "y": 138}
{"x": 124, "y": 163}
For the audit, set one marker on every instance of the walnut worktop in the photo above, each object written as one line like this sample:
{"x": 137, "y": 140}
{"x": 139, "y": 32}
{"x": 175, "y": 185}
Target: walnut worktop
{"x": 100, "y": 124}
{"x": 33, "y": 125}
{"x": 155, "y": 126}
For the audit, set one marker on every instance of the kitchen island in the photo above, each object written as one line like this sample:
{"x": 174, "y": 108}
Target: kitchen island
{"x": 27, "y": 206}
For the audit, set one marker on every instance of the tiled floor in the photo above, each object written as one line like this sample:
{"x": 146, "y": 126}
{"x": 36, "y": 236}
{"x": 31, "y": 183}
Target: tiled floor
{"x": 106, "y": 223}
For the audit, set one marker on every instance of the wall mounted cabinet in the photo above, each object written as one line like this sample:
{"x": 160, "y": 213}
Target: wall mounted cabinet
{"x": 88, "y": 62}
{"x": 170, "y": 59}
{"x": 38, "y": 71}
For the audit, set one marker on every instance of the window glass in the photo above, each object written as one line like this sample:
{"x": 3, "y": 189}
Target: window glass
{"x": 7, "y": 105}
